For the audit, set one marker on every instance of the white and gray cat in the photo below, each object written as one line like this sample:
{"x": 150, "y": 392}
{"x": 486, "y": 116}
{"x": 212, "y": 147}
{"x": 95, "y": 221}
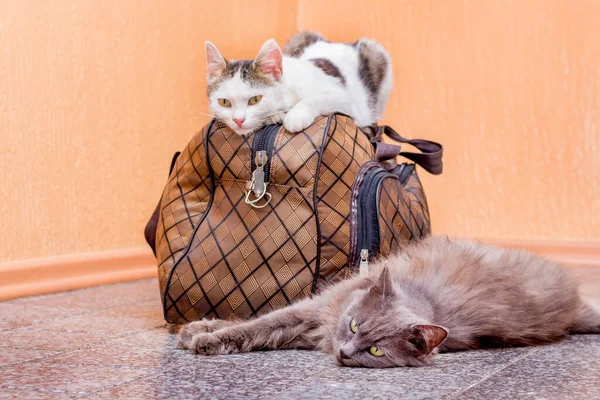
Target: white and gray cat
{"x": 435, "y": 295}
{"x": 311, "y": 77}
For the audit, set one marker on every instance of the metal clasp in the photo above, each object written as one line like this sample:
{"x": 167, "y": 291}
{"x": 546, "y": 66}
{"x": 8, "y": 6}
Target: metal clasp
{"x": 363, "y": 269}
{"x": 258, "y": 186}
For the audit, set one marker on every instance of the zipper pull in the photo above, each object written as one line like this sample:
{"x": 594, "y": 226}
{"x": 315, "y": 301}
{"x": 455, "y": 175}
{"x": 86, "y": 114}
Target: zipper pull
{"x": 258, "y": 176}
{"x": 364, "y": 263}
{"x": 258, "y": 186}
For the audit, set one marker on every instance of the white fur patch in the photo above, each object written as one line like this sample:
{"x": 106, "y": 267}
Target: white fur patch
{"x": 304, "y": 92}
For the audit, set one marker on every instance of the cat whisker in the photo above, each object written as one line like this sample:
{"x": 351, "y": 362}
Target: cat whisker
{"x": 208, "y": 115}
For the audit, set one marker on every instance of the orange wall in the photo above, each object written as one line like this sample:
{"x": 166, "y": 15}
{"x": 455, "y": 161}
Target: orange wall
{"x": 511, "y": 88}
{"x": 96, "y": 96}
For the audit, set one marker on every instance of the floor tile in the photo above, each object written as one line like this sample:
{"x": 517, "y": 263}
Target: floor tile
{"x": 13, "y": 356}
{"x": 567, "y": 370}
{"x": 126, "y": 355}
{"x": 68, "y": 377}
{"x": 86, "y": 323}
{"x": 111, "y": 342}
{"x": 325, "y": 390}
{"x": 252, "y": 375}
{"x": 153, "y": 387}
{"x": 35, "y": 338}
{"x": 158, "y": 338}
{"x": 6, "y": 394}
{"x": 449, "y": 374}
{"x": 129, "y": 293}
{"x": 15, "y": 315}
{"x": 148, "y": 310}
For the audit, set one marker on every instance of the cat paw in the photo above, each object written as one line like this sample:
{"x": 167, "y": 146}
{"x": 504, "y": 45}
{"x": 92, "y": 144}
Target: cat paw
{"x": 204, "y": 326}
{"x": 298, "y": 119}
{"x": 184, "y": 341}
{"x": 275, "y": 118}
{"x": 209, "y": 344}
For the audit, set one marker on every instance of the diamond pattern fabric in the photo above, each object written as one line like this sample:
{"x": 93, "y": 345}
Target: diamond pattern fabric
{"x": 219, "y": 257}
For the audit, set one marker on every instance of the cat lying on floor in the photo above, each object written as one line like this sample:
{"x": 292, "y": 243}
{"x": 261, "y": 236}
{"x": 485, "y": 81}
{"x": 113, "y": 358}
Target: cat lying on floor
{"x": 436, "y": 295}
{"x": 311, "y": 77}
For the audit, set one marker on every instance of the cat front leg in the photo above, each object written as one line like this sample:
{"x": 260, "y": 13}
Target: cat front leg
{"x": 282, "y": 329}
{"x": 204, "y": 326}
{"x": 303, "y": 114}
{"x": 300, "y": 117}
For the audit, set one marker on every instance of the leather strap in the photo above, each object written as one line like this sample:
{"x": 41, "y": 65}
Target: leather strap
{"x": 386, "y": 151}
{"x": 430, "y": 157}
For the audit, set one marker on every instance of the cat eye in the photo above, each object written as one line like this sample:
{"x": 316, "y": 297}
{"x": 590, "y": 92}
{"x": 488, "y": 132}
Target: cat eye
{"x": 224, "y": 102}
{"x": 375, "y": 351}
{"x": 254, "y": 100}
{"x": 353, "y": 326}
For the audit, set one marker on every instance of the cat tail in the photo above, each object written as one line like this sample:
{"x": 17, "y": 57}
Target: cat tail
{"x": 589, "y": 320}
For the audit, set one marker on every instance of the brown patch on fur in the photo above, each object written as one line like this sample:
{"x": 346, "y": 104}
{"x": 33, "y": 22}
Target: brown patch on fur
{"x": 373, "y": 65}
{"x": 299, "y": 42}
{"x": 329, "y": 68}
{"x": 247, "y": 71}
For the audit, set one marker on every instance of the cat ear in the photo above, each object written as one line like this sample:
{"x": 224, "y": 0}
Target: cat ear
{"x": 269, "y": 60}
{"x": 215, "y": 62}
{"x": 428, "y": 337}
{"x": 383, "y": 286}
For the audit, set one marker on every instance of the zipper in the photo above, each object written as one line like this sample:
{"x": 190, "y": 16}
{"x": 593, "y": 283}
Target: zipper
{"x": 403, "y": 172}
{"x": 368, "y": 218}
{"x": 365, "y": 237}
{"x": 264, "y": 140}
{"x": 364, "y": 263}
{"x": 262, "y": 152}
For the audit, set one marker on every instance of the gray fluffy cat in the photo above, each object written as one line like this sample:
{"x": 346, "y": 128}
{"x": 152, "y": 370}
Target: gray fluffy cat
{"x": 435, "y": 295}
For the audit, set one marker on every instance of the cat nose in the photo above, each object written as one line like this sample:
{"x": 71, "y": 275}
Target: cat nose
{"x": 239, "y": 121}
{"x": 343, "y": 355}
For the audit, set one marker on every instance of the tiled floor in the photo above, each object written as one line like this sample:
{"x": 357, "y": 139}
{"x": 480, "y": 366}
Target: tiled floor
{"x": 110, "y": 342}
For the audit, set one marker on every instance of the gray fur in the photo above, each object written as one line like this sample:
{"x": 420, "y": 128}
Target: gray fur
{"x": 373, "y": 65}
{"x": 299, "y": 42}
{"x": 436, "y": 295}
{"x": 329, "y": 68}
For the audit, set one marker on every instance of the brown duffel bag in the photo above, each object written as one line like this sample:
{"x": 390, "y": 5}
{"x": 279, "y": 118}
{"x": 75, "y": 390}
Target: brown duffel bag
{"x": 249, "y": 224}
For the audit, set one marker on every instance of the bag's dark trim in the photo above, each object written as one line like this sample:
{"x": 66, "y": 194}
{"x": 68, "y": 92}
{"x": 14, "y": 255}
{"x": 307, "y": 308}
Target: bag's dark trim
{"x": 264, "y": 139}
{"x": 187, "y": 249}
{"x": 152, "y": 224}
{"x": 354, "y": 209}
{"x": 425, "y": 205}
{"x": 316, "y": 201}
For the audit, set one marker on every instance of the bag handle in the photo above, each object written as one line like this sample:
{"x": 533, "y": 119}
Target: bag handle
{"x": 430, "y": 157}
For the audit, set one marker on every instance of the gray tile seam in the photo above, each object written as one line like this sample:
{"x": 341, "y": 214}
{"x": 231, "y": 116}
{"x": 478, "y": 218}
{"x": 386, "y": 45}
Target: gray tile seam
{"x": 77, "y": 312}
{"x": 113, "y": 338}
{"x": 494, "y": 372}
{"x": 35, "y": 359}
{"x": 38, "y": 390}
{"x": 83, "y": 364}
{"x": 79, "y": 394}
{"x": 100, "y": 331}
{"x": 154, "y": 373}
{"x": 298, "y": 384}
{"x": 36, "y": 324}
